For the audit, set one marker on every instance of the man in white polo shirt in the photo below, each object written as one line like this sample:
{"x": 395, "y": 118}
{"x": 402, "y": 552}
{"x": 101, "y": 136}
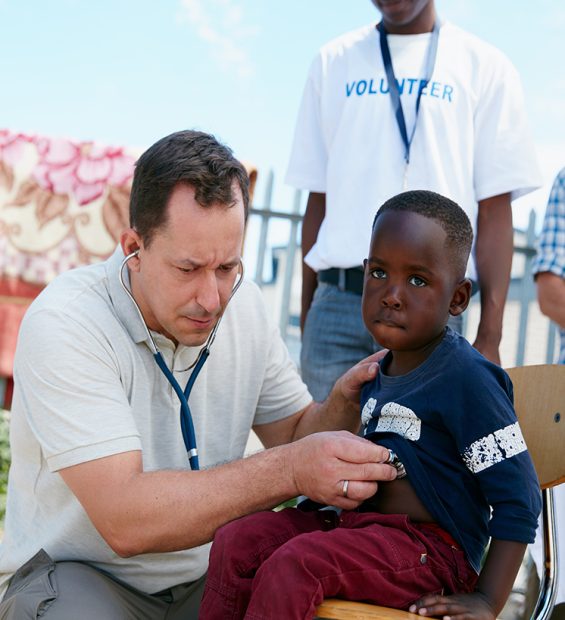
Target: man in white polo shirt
{"x": 455, "y": 124}
{"x": 104, "y": 517}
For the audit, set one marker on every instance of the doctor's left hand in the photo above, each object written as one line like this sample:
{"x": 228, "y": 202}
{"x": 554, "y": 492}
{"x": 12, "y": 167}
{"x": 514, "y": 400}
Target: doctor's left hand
{"x": 350, "y": 384}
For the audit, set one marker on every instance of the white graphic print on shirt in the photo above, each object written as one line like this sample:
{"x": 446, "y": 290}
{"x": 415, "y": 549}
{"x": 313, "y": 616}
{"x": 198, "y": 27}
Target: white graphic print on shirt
{"x": 493, "y": 448}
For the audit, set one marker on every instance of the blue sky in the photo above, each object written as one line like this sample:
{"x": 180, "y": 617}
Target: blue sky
{"x": 127, "y": 72}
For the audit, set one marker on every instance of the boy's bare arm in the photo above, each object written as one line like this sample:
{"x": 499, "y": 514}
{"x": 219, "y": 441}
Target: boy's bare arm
{"x": 493, "y": 587}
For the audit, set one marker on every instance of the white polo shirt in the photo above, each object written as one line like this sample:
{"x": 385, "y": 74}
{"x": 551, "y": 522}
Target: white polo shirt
{"x": 87, "y": 386}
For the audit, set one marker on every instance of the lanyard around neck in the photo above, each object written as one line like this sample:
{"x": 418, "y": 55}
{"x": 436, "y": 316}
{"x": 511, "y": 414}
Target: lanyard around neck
{"x": 393, "y": 84}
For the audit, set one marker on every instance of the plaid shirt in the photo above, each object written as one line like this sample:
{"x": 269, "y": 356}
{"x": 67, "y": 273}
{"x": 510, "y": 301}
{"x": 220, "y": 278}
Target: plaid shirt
{"x": 551, "y": 245}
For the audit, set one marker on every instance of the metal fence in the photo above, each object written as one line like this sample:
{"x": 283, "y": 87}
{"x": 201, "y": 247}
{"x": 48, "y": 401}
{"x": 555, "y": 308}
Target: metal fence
{"x": 528, "y": 336}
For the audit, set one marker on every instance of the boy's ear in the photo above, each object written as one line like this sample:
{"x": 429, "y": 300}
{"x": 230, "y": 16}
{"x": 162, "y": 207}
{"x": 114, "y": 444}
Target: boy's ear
{"x": 461, "y": 297}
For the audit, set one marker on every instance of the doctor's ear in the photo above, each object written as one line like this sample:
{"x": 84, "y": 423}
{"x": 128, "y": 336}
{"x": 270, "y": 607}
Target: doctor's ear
{"x": 130, "y": 242}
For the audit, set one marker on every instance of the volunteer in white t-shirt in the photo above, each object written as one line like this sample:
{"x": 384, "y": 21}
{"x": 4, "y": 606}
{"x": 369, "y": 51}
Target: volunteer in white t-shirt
{"x": 104, "y": 517}
{"x": 469, "y": 141}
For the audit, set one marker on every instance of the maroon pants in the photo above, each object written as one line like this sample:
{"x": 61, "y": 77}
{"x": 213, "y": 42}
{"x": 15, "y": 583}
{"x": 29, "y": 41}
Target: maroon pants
{"x": 283, "y": 564}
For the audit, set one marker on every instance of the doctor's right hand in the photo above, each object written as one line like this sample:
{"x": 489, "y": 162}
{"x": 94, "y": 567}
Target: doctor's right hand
{"x": 338, "y": 468}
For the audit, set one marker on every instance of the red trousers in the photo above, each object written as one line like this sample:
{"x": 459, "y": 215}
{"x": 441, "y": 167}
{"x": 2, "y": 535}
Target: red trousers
{"x": 283, "y": 564}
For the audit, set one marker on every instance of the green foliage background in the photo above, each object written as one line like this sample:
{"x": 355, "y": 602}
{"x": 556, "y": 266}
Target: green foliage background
{"x": 4, "y": 459}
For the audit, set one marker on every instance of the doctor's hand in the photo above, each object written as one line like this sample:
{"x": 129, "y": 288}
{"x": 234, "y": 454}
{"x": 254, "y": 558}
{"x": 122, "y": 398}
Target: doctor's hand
{"x": 349, "y": 385}
{"x": 322, "y": 463}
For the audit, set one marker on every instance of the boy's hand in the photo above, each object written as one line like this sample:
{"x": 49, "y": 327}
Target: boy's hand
{"x": 472, "y": 606}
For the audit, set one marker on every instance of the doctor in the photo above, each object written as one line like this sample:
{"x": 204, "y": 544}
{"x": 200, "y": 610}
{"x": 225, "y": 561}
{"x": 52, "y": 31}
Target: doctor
{"x": 105, "y": 518}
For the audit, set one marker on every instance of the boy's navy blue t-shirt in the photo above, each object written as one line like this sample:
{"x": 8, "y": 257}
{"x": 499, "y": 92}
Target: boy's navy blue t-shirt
{"x": 452, "y": 423}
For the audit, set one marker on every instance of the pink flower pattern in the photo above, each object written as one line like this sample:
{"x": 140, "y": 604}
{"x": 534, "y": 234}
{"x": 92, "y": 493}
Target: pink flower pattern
{"x": 58, "y": 193}
{"x": 11, "y": 149}
{"x": 82, "y": 170}
{"x": 11, "y": 146}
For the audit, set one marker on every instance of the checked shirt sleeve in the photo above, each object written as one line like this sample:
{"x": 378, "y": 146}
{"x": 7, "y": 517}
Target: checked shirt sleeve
{"x": 551, "y": 246}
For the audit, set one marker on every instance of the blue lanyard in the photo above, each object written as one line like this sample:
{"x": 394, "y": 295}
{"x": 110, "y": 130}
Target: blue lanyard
{"x": 186, "y": 423}
{"x": 393, "y": 84}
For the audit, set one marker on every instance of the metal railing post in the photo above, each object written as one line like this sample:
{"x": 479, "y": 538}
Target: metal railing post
{"x": 289, "y": 269}
{"x": 526, "y": 290}
{"x": 264, "y": 230}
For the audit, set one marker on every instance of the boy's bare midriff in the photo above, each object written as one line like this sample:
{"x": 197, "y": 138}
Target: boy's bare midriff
{"x": 398, "y": 497}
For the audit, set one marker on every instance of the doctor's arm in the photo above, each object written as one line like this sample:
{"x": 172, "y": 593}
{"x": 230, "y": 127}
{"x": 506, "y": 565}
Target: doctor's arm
{"x": 147, "y": 512}
{"x": 340, "y": 411}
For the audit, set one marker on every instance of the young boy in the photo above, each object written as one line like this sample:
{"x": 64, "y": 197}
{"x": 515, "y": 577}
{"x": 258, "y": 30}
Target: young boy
{"x": 446, "y": 415}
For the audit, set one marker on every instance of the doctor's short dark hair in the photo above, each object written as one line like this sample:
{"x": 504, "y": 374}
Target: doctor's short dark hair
{"x": 447, "y": 213}
{"x": 191, "y": 157}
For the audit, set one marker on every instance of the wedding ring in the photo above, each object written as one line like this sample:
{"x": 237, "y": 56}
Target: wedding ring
{"x": 345, "y": 487}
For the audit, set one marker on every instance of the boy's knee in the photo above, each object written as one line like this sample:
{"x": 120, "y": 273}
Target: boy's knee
{"x": 299, "y": 555}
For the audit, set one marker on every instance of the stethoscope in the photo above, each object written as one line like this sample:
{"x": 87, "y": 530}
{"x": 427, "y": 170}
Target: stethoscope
{"x": 186, "y": 423}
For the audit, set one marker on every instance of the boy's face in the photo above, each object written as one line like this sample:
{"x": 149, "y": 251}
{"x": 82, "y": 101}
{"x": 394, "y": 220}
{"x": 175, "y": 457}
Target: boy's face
{"x": 411, "y": 286}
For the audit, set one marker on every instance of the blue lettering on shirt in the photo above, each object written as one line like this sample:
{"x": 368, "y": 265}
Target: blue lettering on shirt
{"x": 371, "y": 86}
{"x": 447, "y": 91}
{"x": 361, "y": 87}
{"x": 412, "y": 82}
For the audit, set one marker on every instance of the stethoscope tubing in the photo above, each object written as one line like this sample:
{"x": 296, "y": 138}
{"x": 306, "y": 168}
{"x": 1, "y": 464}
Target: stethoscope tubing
{"x": 186, "y": 423}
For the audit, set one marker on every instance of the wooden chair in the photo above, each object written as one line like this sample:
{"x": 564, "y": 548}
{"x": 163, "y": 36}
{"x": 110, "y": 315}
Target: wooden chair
{"x": 539, "y": 399}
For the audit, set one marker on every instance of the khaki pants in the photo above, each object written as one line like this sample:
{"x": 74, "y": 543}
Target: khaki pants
{"x": 42, "y": 588}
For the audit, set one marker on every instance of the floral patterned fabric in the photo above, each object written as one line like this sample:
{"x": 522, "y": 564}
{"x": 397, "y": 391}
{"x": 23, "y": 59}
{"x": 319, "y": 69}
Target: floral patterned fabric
{"x": 63, "y": 204}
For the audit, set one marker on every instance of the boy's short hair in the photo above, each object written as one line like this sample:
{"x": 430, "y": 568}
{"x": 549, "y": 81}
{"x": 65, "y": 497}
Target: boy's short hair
{"x": 447, "y": 213}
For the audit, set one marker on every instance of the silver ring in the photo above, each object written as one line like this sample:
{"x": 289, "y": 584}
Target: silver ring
{"x": 345, "y": 487}
{"x": 391, "y": 456}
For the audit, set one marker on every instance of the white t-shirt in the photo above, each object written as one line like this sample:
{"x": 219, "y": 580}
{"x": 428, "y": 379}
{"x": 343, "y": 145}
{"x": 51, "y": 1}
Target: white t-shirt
{"x": 471, "y": 141}
{"x": 87, "y": 386}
